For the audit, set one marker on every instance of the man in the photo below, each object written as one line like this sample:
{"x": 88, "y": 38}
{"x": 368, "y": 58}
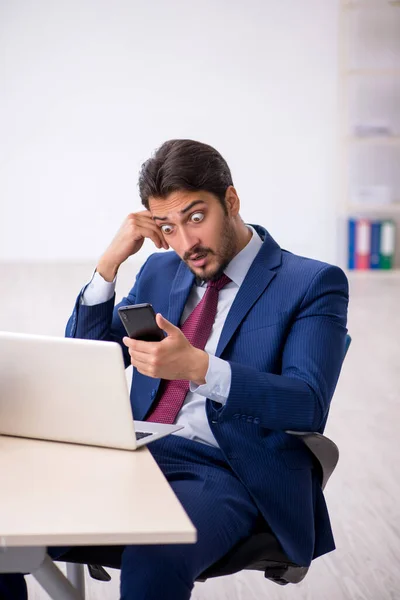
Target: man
{"x": 273, "y": 326}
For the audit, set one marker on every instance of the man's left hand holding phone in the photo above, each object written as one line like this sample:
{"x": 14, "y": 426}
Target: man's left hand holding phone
{"x": 156, "y": 355}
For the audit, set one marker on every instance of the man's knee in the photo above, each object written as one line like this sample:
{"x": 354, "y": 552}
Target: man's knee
{"x": 167, "y": 569}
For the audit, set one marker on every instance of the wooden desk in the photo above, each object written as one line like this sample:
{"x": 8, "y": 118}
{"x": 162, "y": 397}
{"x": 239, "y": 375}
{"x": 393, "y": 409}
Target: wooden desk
{"x": 56, "y": 494}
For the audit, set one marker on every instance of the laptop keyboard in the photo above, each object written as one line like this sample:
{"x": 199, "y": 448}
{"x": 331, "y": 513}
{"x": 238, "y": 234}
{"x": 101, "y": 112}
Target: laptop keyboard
{"x": 142, "y": 434}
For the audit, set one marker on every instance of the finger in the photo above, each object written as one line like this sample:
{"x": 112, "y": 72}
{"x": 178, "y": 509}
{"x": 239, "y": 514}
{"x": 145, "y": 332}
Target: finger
{"x": 168, "y": 327}
{"x": 164, "y": 244}
{"x": 146, "y": 221}
{"x": 129, "y": 342}
{"x": 138, "y": 358}
{"x": 162, "y": 239}
{"x": 155, "y": 237}
{"x": 142, "y": 366}
{"x": 151, "y": 231}
{"x": 145, "y": 347}
{"x": 144, "y": 213}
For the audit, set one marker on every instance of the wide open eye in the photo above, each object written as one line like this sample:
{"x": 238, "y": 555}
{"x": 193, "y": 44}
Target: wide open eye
{"x": 197, "y": 217}
{"x": 166, "y": 229}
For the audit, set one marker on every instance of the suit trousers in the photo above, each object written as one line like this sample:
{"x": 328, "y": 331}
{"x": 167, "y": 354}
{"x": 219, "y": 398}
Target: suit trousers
{"x": 216, "y": 501}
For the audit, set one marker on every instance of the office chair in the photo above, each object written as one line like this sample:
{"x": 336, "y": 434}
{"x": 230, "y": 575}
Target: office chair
{"x": 262, "y": 551}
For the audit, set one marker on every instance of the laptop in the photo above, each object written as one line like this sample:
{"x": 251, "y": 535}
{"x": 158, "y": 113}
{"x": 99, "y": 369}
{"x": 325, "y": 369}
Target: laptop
{"x": 69, "y": 390}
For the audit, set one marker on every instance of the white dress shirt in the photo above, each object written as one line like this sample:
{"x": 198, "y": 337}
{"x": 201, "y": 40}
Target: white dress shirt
{"x": 218, "y": 378}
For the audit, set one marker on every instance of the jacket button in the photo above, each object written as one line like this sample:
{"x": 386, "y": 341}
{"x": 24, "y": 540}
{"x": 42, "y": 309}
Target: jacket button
{"x": 244, "y": 417}
{"x": 249, "y": 419}
{"x": 236, "y": 416}
{"x": 256, "y": 420}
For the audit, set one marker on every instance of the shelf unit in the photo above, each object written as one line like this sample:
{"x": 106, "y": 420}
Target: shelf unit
{"x": 373, "y": 72}
{"x": 374, "y": 209}
{"x": 357, "y": 71}
{"x": 369, "y": 4}
{"x": 375, "y": 141}
{"x": 392, "y": 274}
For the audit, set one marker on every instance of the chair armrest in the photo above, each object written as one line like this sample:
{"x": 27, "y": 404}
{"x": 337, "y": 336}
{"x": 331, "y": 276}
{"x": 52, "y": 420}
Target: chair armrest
{"x": 324, "y": 451}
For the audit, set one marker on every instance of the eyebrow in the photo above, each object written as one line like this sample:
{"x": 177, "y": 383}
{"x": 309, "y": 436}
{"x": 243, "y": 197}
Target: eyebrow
{"x": 183, "y": 211}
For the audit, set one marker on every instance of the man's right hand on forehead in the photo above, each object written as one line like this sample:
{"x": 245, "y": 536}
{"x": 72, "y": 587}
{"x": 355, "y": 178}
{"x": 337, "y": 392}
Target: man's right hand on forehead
{"x": 128, "y": 241}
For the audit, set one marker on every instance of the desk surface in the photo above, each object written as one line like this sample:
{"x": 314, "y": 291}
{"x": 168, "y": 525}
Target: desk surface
{"x": 55, "y": 494}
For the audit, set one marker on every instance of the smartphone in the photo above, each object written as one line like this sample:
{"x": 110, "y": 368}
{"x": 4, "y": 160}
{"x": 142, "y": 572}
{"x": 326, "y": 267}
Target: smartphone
{"x": 140, "y": 323}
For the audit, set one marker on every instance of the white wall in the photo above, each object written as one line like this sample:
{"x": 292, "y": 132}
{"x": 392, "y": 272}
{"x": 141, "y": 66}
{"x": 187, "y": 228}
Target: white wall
{"x": 89, "y": 88}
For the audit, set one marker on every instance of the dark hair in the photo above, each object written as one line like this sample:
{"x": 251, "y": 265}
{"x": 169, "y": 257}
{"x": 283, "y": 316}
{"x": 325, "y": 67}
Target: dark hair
{"x": 184, "y": 165}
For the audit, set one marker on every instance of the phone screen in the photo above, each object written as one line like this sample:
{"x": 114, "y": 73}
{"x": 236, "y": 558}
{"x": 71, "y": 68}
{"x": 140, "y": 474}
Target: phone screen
{"x": 140, "y": 322}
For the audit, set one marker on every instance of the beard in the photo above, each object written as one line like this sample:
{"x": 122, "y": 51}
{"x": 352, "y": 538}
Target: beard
{"x": 224, "y": 254}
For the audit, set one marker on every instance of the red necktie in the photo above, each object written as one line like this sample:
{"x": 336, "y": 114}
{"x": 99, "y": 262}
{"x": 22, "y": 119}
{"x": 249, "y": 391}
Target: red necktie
{"x": 197, "y": 329}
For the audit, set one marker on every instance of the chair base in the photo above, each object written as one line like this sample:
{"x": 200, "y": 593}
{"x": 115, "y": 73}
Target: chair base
{"x": 98, "y": 572}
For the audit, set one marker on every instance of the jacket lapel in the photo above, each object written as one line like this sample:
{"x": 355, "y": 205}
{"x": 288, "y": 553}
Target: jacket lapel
{"x": 255, "y": 283}
{"x": 180, "y": 290}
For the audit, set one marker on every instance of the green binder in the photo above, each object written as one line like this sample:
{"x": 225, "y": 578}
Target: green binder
{"x": 388, "y": 237}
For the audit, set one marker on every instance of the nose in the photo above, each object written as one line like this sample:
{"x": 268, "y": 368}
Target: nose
{"x": 188, "y": 241}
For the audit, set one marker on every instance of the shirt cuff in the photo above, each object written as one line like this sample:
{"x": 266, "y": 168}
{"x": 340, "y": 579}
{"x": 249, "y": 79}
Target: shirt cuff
{"x": 218, "y": 380}
{"x": 98, "y": 290}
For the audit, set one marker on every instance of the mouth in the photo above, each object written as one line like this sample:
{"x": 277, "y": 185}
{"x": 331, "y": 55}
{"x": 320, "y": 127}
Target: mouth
{"x": 199, "y": 260}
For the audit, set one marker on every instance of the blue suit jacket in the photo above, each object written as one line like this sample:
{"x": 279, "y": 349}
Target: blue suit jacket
{"x": 284, "y": 338}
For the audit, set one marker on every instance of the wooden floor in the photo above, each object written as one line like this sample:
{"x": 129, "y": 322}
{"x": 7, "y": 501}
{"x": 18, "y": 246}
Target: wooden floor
{"x": 364, "y": 493}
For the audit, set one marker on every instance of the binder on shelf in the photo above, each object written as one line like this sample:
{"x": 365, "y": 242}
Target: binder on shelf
{"x": 375, "y": 258}
{"x": 352, "y": 244}
{"x": 363, "y": 244}
{"x": 388, "y": 234}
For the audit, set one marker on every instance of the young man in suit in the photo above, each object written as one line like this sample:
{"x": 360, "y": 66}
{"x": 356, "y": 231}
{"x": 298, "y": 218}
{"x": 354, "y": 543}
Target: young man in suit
{"x": 254, "y": 346}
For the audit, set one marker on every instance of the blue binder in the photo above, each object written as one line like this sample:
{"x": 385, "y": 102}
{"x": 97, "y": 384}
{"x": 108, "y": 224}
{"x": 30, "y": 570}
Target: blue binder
{"x": 375, "y": 244}
{"x": 352, "y": 244}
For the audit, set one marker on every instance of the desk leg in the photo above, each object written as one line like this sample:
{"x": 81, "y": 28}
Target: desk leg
{"x": 36, "y": 561}
{"x": 76, "y": 575}
{"x": 54, "y": 583}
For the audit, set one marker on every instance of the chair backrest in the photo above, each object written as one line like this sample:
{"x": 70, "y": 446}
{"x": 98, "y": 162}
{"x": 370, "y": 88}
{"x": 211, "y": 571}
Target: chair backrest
{"x": 324, "y": 451}
{"x": 347, "y": 345}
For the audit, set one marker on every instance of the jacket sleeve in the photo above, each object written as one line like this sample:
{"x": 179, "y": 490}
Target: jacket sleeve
{"x": 101, "y": 321}
{"x": 299, "y": 397}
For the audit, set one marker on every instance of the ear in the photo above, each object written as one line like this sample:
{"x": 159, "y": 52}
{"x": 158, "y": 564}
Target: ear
{"x": 232, "y": 201}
